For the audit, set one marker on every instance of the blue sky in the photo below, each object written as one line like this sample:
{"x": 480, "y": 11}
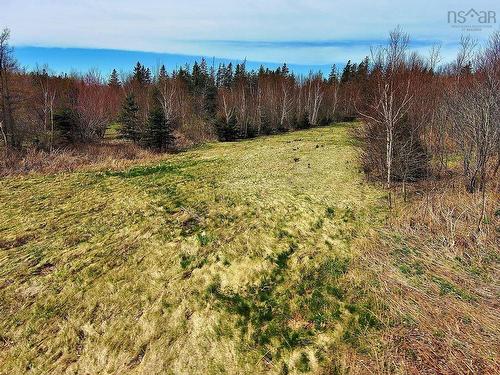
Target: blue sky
{"x": 306, "y": 33}
{"x": 82, "y": 59}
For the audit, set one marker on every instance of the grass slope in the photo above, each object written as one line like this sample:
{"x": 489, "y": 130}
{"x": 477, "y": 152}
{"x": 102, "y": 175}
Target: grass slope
{"x": 231, "y": 258}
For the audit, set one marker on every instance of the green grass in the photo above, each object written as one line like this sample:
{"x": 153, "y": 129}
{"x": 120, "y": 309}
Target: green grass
{"x": 113, "y": 131}
{"x": 230, "y": 258}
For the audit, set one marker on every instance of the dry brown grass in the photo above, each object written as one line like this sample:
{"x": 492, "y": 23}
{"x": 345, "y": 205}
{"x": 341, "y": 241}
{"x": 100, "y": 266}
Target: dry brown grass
{"x": 104, "y": 155}
{"x": 438, "y": 275}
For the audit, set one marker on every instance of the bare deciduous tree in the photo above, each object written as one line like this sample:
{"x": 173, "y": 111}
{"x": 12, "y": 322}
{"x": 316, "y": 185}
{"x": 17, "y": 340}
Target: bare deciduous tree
{"x": 314, "y": 97}
{"x": 393, "y": 97}
{"x": 7, "y": 66}
{"x": 92, "y": 106}
{"x": 47, "y": 96}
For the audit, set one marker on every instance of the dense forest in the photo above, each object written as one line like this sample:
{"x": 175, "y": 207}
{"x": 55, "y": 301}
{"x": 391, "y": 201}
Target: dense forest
{"x": 416, "y": 112}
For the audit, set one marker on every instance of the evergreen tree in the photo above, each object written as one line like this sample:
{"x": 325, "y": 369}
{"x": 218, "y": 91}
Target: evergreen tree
{"x": 227, "y": 78}
{"x": 203, "y": 72}
{"x": 304, "y": 121}
{"x": 211, "y": 75}
{"x": 333, "y": 76}
{"x": 129, "y": 119}
{"x": 346, "y": 73}
{"x": 227, "y": 131}
{"x": 240, "y": 72}
{"x": 162, "y": 74}
{"x": 284, "y": 70}
{"x": 197, "y": 76}
{"x": 219, "y": 76}
{"x": 142, "y": 75}
{"x": 138, "y": 72}
{"x": 159, "y": 130}
{"x": 266, "y": 126}
{"x": 200, "y": 77}
{"x": 184, "y": 75}
{"x": 210, "y": 102}
{"x": 65, "y": 124}
{"x": 147, "y": 75}
{"x": 362, "y": 71}
{"x": 353, "y": 74}
{"x": 114, "y": 81}
{"x": 210, "y": 97}
{"x": 262, "y": 71}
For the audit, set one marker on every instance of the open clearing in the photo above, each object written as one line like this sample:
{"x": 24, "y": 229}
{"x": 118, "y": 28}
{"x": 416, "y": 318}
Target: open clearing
{"x": 230, "y": 258}
{"x": 225, "y": 258}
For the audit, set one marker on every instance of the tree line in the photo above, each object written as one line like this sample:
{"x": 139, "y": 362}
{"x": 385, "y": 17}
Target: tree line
{"x": 416, "y": 113}
{"x": 157, "y": 108}
{"x": 418, "y": 117}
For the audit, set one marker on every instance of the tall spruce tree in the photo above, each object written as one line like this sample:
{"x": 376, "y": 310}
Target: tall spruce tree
{"x": 219, "y": 76}
{"x": 362, "y": 72}
{"x": 142, "y": 75}
{"x": 204, "y": 72}
{"x": 240, "y": 72}
{"x": 333, "y": 77}
{"x": 162, "y": 74}
{"x": 138, "y": 72}
{"x": 210, "y": 97}
{"x": 284, "y": 71}
{"x": 114, "y": 81}
{"x": 129, "y": 119}
{"x": 196, "y": 76}
{"x": 346, "y": 73}
{"x": 146, "y": 75}
{"x": 184, "y": 75}
{"x": 354, "y": 72}
{"x": 227, "y": 78}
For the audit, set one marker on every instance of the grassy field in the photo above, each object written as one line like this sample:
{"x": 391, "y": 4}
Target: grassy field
{"x": 234, "y": 257}
{"x": 269, "y": 256}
